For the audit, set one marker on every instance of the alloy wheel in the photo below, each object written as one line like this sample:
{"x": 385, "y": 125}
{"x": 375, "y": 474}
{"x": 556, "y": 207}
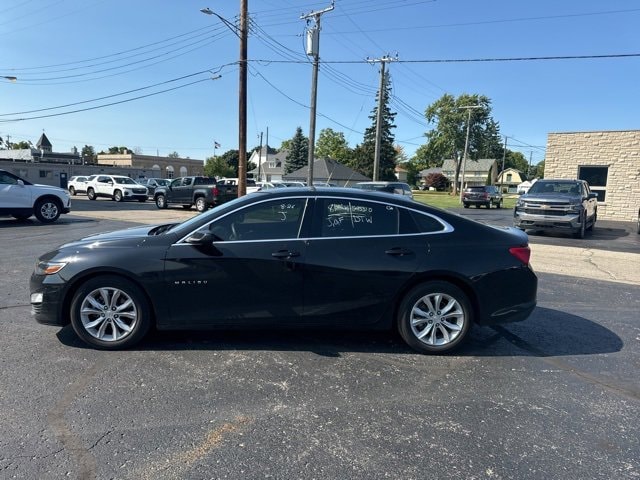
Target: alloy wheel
{"x": 108, "y": 314}
{"x": 437, "y": 319}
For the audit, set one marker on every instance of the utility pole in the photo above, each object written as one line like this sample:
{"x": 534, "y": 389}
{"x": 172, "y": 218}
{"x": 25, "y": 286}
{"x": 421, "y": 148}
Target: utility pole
{"x": 241, "y": 33}
{"x": 376, "y": 158}
{"x": 242, "y": 102}
{"x": 529, "y": 166}
{"x": 504, "y": 154}
{"x": 313, "y": 49}
{"x": 466, "y": 144}
{"x": 260, "y": 158}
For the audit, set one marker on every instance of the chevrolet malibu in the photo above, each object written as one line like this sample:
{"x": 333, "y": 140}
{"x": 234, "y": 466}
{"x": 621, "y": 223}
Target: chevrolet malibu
{"x": 292, "y": 257}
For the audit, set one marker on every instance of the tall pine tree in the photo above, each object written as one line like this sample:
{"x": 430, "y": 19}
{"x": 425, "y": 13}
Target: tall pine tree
{"x": 298, "y": 156}
{"x": 363, "y": 154}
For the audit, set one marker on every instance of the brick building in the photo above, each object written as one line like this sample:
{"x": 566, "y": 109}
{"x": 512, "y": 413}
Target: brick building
{"x": 608, "y": 160}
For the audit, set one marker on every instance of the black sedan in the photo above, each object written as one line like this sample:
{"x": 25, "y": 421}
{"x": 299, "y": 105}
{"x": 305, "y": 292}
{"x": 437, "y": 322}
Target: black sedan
{"x": 292, "y": 257}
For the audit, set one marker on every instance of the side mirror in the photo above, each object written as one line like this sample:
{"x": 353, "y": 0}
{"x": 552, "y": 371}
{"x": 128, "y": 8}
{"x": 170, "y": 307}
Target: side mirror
{"x": 592, "y": 195}
{"x": 20, "y": 182}
{"x": 200, "y": 238}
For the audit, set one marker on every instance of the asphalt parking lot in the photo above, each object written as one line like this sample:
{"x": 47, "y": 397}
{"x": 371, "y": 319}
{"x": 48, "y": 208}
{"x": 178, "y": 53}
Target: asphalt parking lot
{"x": 554, "y": 396}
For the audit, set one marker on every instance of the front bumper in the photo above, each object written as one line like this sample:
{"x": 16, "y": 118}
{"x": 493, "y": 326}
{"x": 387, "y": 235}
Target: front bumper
{"x": 46, "y": 295}
{"x": 522, "y": 219}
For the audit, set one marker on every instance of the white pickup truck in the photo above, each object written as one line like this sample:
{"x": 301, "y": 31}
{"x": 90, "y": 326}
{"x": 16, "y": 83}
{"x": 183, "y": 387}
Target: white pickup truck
{"x": 21, "y": 199}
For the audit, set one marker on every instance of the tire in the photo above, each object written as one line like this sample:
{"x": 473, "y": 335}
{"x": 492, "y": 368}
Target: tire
{"x": 72, "y": 191}
{"x": 465, "y": 205}
{"x": 161, "y": 201}
{"x": 186, "y": 207}
{"x": 201, "y": 204}
{"x": 110, "y": 312}
{"x": 489, "y": 204}
{"x": 91, "y": 193}
{"x": 580, "y": 232}
{"x": 499, "y": 204}
{"x": 117, "y": 196}
{"x": 445, "y": 306}
{"x": 593, "y": 223}
{"x": 47, "y": 210}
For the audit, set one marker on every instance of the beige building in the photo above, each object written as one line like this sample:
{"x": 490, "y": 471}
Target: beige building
{"x": 608, "y": 160}
{"x": 154, "y": 166}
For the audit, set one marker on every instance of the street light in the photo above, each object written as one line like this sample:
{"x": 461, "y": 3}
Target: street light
{"x": 241, "y": 33}
{"x": 466, "y": 144}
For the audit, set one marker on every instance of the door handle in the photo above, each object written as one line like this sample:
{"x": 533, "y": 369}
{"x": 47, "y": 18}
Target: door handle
{"x": 398, "y": 251}
{"x": 285, "y": 254}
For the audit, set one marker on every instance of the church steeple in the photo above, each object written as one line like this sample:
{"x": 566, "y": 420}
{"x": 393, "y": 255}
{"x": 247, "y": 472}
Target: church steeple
{"x": 44, "y": 144}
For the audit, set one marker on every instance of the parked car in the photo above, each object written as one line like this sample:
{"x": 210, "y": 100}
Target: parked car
{"x": 487, "y": 195}
{"x": 292, "y": 257}
{"x": 78, "y": 184}
{"x": 561, "y": 205}
{"x": 398, "y": 188}
{"x": 153, "y": 183}
{"x": 251, "y": 184}
{"x": 203, "y": 192}
{"x": 116, "y": 187}
{"x": 268, "y": 185}
{"x": 288, "y": 183}
{"x": 21, "y": 199}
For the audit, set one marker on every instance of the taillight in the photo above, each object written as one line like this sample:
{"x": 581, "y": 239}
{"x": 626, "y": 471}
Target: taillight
{"x": 215, "y": 191}
{"x": 521, "y": 253}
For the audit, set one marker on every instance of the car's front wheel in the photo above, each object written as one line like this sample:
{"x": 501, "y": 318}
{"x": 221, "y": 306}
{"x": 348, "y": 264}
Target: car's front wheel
{"x": 72, "y": 191}
{"x": 110, "y": 312}
{"x": 117, "y": 196}
{"x": 47, "y": 210}
{"x": 434, "y": 317}
{"x": 499, "y": 204}
{"x": 579, "y": 233}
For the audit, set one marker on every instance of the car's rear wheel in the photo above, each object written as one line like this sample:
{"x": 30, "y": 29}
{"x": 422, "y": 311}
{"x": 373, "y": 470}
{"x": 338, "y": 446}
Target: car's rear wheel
{"x": 110, "y": 312}
{"x": 72, "y": 191}
{"x": 117, "y": 196}
{"x": 47, "y": 210}
{"x": 465, "y": 205}
{"x": 161, "y": 201}
{"x": 499, "y": 204}
{"x": 434, "y": 317}
{"x": 91, "y": 193}
{"x": 490, "y": 204}
{"x": 201, "y": 204}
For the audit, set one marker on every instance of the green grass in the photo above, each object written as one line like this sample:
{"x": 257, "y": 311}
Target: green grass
{"x": 445, "y": 200}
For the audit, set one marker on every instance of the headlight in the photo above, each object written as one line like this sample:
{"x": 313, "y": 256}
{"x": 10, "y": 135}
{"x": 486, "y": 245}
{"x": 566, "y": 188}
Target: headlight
{"x": 520, "y": 204}
{"x": 576, "y": 208}
{"x": 49, "y": 268}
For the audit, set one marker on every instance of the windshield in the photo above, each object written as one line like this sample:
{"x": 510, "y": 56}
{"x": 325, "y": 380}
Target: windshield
{"x": 563, "y": 188}
{"x": 124, "y": 181}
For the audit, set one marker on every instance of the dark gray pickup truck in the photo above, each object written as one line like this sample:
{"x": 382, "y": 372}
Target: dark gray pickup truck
{"x": 552, "y": 204}
{"x": 203, "y": 192}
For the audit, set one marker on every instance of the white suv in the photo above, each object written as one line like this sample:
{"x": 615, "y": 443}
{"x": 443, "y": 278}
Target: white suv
{"x": 21, "y": 199}
{"x": 78, "y": 184}
{"x": 116, "y": 187}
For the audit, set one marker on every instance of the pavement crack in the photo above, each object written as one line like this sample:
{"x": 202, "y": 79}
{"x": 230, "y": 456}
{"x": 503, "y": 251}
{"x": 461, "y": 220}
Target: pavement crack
{"x": 71, "y": 442}
{"x": 589, "y": 259}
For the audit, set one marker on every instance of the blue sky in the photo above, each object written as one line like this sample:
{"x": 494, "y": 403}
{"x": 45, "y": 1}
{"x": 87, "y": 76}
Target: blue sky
{"x": 68, "y": 51}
